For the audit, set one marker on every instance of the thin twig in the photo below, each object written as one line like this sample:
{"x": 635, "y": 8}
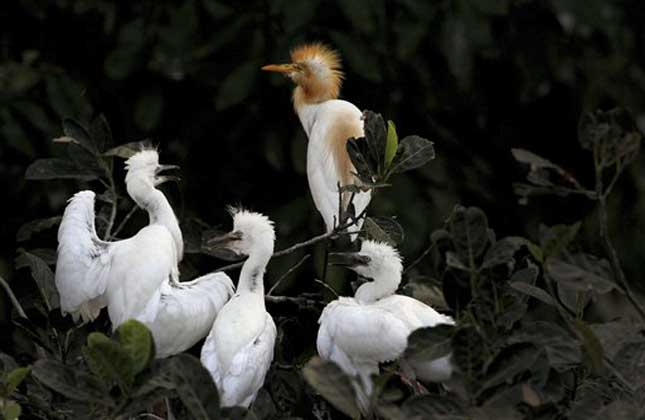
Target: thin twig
{"x": 13, "y": 298}
{"x": 108, "y": 229}
{"x": 420, "y": 257}
{"x": 604, "y": 236}
{"x": 285, "y": 275}
{"x": 124, "y": 221}
{"x": 298, "y": 300}
{"x": 326, "y": 286}
{"x": 291, "y": 249}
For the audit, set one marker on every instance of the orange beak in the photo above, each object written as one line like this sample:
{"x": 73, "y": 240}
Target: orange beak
{"x": 281, "y": 68}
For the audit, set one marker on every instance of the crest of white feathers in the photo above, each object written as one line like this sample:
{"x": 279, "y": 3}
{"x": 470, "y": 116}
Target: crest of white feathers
{"x": 251, "y": 222}
{"x": 146, "y": 157}
{"x": 382, "y": 253}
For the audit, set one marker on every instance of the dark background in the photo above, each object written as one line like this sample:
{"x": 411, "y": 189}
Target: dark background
{"x": 477, "y": 77}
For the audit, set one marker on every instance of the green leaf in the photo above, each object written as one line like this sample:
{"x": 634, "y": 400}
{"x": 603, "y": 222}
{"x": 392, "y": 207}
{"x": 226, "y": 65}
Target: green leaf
{"x": 137, "y": 342}
{"x": 579, "y": 278}
{"x": 81, "y": 136}
{"x": 72, "y": 383}
{"x": 413, "y": 152}
{"x": 126, "y": 150}
{"x": 330, "y": 381}
{"x": 562, "y": 351}
{"x": 109, "y": 361}
{"x": 391, "y": 145}
{"x": 429, "y": 343}
{"x": 15, "y": 377}
{"x": 502, "y": 251}
{"x": 510, "y": 362}
{"x": 359, "y": 153}
{"x": 26, "y": 231}
{"x": 383, "y": 229}
{"x": 592, "y": 346}
{"x": 55, "y": 168}
{"x": 434, "y": 407}
{"x": 10, "y": 410}
{"x": 42, "y": 275}
{"x": 469, "y": 229}
{"x": 101, "y": 133}
{"x": 195, "y": 387}
{"x": 535, "y": 292}
{"x": 614, "y": 133}
{"x": 630, "y": 362}
{"x": 376, "y": 136}
{"x": 557, "y": 238}
{"x": 468, "y": 351}
{"x": 237, "y": 86}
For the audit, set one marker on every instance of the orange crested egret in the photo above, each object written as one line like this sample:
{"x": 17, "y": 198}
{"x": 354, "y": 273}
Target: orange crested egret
{"x": 239, "y": 349}
{"x": 328, "y": 122}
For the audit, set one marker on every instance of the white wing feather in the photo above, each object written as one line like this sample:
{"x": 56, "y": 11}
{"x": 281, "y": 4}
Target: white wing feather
{"x": 187, "y": 311}
{"x": 82, "y": 267}
{"x": 240, "y": 383}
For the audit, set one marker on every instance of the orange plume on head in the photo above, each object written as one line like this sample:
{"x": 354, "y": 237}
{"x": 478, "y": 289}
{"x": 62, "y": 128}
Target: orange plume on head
{"x": 318, "y": 51}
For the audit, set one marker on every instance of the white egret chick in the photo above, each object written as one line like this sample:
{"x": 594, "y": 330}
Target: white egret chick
{"x": 124, "y": 275}
{"x": 328, "y": 122}
{"x": 372, "y": 327}
{"x": 239, "y": 349}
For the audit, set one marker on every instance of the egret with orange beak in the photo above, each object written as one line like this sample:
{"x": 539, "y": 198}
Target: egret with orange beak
{"x": 329, "y": 122}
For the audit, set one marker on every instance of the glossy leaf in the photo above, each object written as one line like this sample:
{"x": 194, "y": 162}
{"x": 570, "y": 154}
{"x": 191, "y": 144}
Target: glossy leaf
{"x": 109, "y": 361}
{"x": 137, "y": 342}
{"x": 562, "y": 350}
{"x": 15, "y": 378}
{"x": 376, "y": 136}
{"x": 383, "y": 229}
{"x": 72, "y": 383}
{"x": 591, "y": 344}
{"x": 429, "y": 343}
{"x": 576, "y": 277}
{"x": 75, "y": 130}
{"x": 330, "y": 381}
{"x": 55, "y": 168}
{"x": 413, "y": 152}
{"x": 535, "y": 292}
{"x": 26, "y": 231}
{"x": 512, "y": 361}
{"x": 42, "y": 275}
{"x": 195, "y": 387}
{"x": 126, "y": 150}
{"x": 391, "y": 145}
{"x": 469, "y": 229}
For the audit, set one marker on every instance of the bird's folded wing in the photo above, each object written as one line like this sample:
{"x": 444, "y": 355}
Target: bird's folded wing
{"x": 248, "y": 368}
{"x": 413, "y": 313}
{"x": 364, "y": 332}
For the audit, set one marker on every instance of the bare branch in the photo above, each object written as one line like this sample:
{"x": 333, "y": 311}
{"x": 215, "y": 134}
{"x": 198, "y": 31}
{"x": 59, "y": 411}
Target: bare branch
{"x": 285, "y": 275}
{"x": 326, "y": 286}
{"x": 13, "y": 298}
{"x": 123, "y": 222}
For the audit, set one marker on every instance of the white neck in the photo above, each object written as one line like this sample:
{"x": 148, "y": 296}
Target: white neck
{"x": 252, "y": 274}
{"x": 383, "y": 285}
{"x": 160, "y": 212}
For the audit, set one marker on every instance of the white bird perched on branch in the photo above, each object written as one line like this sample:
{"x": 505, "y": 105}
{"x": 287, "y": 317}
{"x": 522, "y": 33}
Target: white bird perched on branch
{"x": 372, "y": 327}
{"x": 239, "y": 349}
{"x": 329, "y": 122}
{"x": 124, "y": 275}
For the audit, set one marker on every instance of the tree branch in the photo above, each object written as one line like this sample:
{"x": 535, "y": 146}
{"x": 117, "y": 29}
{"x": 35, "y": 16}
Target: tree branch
{"x": 124, "y": 221}
{"x": 285, "y": 275}
{"x": 13, "y": 298}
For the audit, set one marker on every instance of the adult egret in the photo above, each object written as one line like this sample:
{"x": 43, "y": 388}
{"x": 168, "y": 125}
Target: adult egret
{"x": 124, "y": 275}
{"x": 329, "y": 122}
{"x": 239, "y": 349}
{"x": 372, "y": 327}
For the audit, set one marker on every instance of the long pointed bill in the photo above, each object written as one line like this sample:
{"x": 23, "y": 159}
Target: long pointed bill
{"x": 281, "y": 68}
{"x": 222, "y": 241}
{"x": 219, "y": 246}
{"x": 348, "y": 259}
{"x": 165, "y": 178}
{"x": 162, "y": 168}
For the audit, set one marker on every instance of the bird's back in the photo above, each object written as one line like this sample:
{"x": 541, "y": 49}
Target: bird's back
{"x": 187, "y": 312}
{"x": 329, "y": 125}
{"x": 138, "y": 267}
{"x": 413, "y": 313}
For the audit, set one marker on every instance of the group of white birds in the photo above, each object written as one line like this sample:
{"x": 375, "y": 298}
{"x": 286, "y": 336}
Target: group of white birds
{"x": 138, "y": 278}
